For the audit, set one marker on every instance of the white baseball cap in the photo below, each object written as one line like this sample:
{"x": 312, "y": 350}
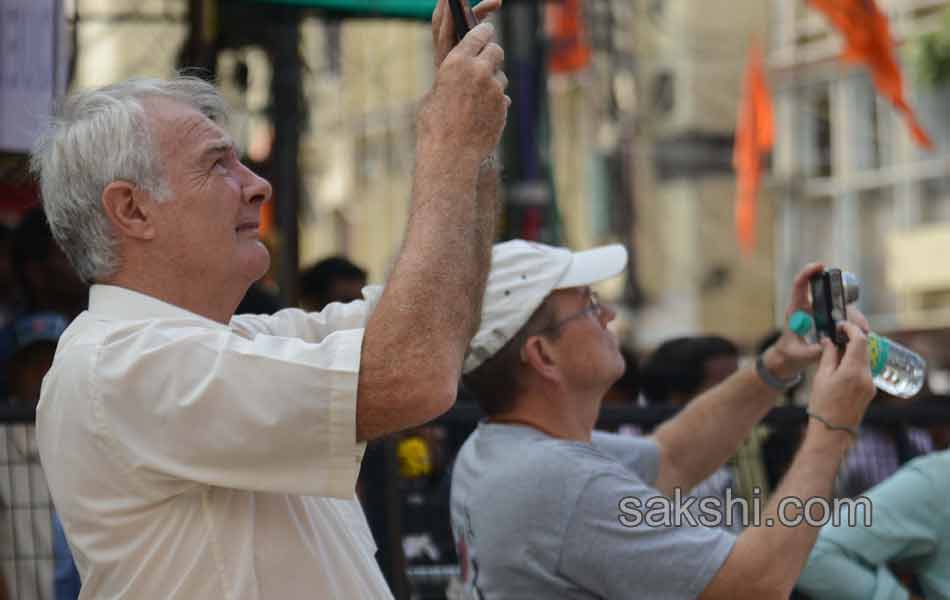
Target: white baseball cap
{"x": 522, "y": 275}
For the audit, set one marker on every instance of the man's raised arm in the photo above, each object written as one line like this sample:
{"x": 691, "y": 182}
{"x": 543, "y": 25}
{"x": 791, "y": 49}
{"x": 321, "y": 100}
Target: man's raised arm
{"x": 767, "y": 560}
{"x": 709, "y": 430}
{"x": 416, "y": 339}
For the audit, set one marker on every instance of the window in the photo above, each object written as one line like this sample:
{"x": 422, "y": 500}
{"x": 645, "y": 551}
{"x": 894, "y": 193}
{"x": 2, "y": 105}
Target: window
{"x": 873, "y": 120}
{"x": 816, "y": 231}
{"x": 664, "y": 93}
{"x": 814, "y": 130}
{"x": 935, "y": 200}
{"x": 931, "y": 105}
{"x": 875, "y": 222}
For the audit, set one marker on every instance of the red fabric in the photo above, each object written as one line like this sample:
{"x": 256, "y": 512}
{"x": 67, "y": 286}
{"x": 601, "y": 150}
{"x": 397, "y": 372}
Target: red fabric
{"x": 531, "y": 224}
{"x": 755, "y": 133}
{"x": 867, "y": 40}
{"x": 568, "y": 51}
{"x": 16, "y": 199}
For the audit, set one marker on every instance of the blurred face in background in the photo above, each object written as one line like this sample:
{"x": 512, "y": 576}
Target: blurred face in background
{"x": 346, "y": 290}
{"x": 717, "y": 369}
{"x": 56, "y": 283}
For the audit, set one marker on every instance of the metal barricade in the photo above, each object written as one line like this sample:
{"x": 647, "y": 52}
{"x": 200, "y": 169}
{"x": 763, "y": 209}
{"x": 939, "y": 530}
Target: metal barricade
{"x": 26, "y": 511}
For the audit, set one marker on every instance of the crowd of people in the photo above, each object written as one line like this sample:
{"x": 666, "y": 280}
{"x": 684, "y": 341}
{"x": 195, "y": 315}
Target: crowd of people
{"x": 196, "y": 439}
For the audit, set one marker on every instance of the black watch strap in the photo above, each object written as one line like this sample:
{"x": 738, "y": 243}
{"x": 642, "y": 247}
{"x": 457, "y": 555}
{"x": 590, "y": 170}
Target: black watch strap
{"x": 771, "y": 380}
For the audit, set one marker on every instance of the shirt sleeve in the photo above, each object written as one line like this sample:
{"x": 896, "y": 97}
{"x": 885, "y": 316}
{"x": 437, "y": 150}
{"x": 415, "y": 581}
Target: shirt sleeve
{"x": 639, "y": 454}
{"x": 899, "y": 521}
{"x": 202, "y": 405}
{"x": 606, "y": 551}
{"x": 311, "y": 326}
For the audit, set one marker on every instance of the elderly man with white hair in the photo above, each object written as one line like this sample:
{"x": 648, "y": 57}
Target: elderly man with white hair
{"x": 192, "y": 454}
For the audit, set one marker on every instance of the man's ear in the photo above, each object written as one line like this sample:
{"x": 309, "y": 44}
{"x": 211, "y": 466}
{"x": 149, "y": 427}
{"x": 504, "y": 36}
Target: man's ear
{"x": 537, "y": 353}
{"x": 129, "y": 208}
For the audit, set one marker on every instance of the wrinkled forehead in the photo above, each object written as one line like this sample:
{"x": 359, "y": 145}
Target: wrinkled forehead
{"x": 181, "y": 129}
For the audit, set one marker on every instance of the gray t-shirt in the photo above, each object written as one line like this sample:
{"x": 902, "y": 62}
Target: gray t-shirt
{"x": 539, "y": 517}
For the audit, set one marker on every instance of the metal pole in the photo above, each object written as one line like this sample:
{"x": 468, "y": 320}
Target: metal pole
{"x": 287, "y": 94}
{"x": 200, "y": 50}
{"x": 528, "y": 190}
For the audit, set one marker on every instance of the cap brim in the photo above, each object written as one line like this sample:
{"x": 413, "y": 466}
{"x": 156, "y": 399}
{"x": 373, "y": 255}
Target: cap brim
{"x": 594, "y": 265}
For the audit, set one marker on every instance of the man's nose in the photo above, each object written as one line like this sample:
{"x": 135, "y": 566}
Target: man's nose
{"x": 607, "y": 313}
{"x": 256, "y": 189}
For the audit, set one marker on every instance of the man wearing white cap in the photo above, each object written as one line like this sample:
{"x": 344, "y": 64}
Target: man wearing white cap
{"x": 543, "y": 507}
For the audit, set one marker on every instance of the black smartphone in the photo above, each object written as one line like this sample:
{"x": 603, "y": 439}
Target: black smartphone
{"x": 463, "y": 17}
{"x": 829, "y": 304}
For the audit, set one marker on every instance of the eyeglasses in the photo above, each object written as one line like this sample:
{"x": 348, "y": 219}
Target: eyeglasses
{"x": 593, "y": 307}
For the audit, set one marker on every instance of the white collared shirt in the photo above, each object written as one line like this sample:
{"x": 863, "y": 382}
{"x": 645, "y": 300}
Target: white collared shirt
{"x": 189, "y": 459}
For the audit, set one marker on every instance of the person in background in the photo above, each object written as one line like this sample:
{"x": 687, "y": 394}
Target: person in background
{"x": 333, "y": 279}
{"x": 678, "y": 371}
{"x": 904, "y": 525}
{"x": 10, "y": 294}
{"x": 682, "y": 368}
{"x": 44, "y": 281}
{"x": 539, "y": 499}
{"x": 34, "y": 336}
{"x": 262, "y": 298}
{"x": 880, "y": 450}
{"x": 53, "y": 295}
{"x": 780, "y": 441}
{"x": 35, "y": 560}
{"x": 48, "y": 281}
{"x": 626, "y": 390}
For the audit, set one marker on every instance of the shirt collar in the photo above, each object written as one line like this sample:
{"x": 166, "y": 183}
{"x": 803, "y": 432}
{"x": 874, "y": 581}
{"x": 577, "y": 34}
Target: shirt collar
{"x": 114, "y": 302}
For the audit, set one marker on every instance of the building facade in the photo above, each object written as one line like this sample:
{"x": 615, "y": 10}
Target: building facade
{"x": 690, "y": 60}
{"x": 852, "y": 188}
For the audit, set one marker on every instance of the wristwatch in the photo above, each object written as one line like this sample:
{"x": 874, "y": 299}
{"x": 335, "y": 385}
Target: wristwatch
{"x": 774, "y": 382}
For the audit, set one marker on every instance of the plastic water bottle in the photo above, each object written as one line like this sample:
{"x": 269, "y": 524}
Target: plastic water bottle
{"x": 896, "y": 369}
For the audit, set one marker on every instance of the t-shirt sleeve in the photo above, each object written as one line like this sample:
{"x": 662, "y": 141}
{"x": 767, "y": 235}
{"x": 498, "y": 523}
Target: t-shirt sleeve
{"x": 638, "y": 454}
{"x": 605, "y": 551}
{"x": 206, "y": 406}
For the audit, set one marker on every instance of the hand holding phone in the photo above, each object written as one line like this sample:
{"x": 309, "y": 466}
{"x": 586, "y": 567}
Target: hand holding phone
{"x": 462, "y": 17}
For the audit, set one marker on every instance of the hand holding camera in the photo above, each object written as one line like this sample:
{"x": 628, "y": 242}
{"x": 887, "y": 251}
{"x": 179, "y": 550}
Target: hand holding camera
{"x": 895, "y": 369}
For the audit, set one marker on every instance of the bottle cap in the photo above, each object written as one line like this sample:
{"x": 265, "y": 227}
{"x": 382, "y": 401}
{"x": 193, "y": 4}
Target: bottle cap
{"x": 800, "y": 322}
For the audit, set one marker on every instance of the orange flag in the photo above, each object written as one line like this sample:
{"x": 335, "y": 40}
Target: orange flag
{"x": 755, "y": 132}
{"x": 568, "y": 50}
{"x": 867, "y": 39}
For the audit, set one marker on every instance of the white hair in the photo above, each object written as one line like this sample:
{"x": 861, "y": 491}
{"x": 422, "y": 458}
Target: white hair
{"x": 97, "y": 137}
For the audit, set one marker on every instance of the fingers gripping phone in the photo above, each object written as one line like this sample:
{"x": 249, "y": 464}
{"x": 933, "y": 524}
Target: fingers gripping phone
{"x": 829, "y": 304}
{"x": 463, "y": 17}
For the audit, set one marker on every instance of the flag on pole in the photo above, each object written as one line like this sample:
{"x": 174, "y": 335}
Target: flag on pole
{"x": 867, "y": 40}
{"x": 755, "y": 133}
{"x": 568, "y": 50}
